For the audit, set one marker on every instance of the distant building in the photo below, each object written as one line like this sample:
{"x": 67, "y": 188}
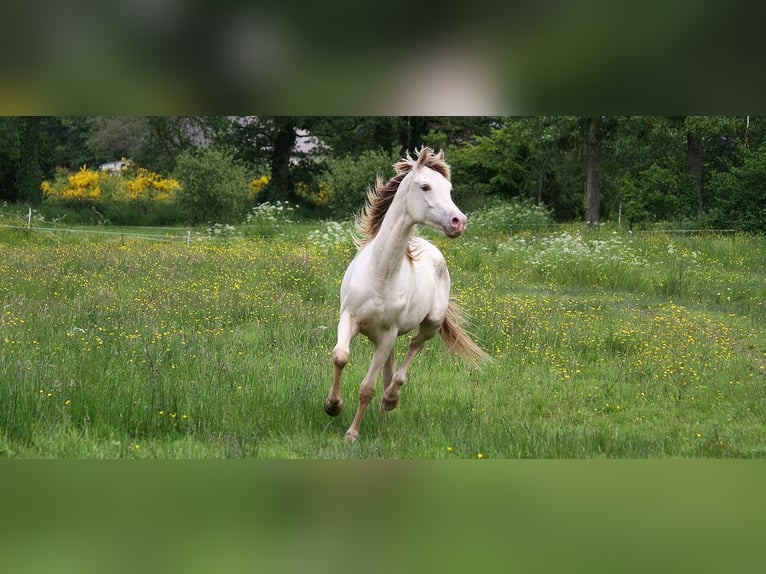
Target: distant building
{"x": 115, "y": 166}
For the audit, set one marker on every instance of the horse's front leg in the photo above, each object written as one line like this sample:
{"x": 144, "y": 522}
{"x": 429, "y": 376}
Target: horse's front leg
{"x": 384, "y": 346}
{"x": 347, "y": 330}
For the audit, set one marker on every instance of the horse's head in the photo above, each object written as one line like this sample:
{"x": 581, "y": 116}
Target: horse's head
{"x": 428, "y": 193}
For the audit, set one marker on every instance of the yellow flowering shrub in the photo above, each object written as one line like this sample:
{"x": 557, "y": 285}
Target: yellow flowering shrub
{"x": 257, "y": 185}
{"x": 318, "y": 194}
{"x": 149, "y": 186}
{"x": 141, "y": 185}
{"x": 83, "y": 185}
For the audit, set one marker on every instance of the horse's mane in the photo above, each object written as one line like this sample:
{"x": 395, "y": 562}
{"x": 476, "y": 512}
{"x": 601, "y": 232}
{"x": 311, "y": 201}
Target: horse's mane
{"x": 380, "y": 197}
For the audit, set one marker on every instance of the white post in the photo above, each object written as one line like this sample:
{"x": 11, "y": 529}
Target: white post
{"x": 188, "y": 237}
{"x": 29, "y": 219}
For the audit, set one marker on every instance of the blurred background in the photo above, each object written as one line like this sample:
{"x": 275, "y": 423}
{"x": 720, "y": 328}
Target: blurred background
{"x": 394, "y": 58}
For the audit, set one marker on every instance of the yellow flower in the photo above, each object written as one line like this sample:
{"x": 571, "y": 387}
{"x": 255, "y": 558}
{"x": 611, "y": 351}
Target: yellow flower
{"x": 148, "y": 185}
{"x": 257, "y": 185}
{"x": 480, "y": 456}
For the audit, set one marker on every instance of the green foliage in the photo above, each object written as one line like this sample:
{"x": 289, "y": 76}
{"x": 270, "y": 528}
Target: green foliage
{"x": 214, "y": 186}
{"x": 655, "y": 195}
{"x": 685, "y": 168}
{"x": 509, "y": 217}
{"x": 741, "y": 192}
{"x": 348, "y": 178}
{"x": 492, "y": 165}
{"x": 535, "y": 157}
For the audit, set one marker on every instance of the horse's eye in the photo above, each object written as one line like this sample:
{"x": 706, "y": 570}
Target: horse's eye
{"x": 425, "y": 187}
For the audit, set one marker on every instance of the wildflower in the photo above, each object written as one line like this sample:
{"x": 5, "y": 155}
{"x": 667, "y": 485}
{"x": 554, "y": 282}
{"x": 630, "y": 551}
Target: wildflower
{"x": 480, "y": 456}
{"x": 257, "y": 185}
{"x": 449, "y": 449}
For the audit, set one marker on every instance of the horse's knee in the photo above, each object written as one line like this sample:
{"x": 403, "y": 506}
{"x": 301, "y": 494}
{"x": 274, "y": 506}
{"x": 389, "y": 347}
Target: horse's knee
{"x": 339, "y": 357}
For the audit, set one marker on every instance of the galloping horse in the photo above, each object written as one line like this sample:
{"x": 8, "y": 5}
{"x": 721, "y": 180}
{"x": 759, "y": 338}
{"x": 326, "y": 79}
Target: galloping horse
{"x": 398, "y": 281}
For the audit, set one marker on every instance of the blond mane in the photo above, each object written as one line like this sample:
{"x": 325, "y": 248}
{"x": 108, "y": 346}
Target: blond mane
{"x": 379, "y": 198}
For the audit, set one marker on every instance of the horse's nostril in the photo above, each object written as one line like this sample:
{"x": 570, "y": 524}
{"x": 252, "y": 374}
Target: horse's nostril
{"x": 458, "y": 223}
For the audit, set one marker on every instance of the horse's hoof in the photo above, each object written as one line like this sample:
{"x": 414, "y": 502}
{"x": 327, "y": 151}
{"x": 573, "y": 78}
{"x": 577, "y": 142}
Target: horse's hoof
{"x": 351, "y": 436}
{"x": 388, "y": 404}
{"x": 333, "y": 408}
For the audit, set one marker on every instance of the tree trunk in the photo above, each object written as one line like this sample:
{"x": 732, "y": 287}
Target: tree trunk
{"x": 694, "y": 161}
{"x": 284, "y": 141}
{"x": 592, "y": 185}
{"x": 30, "y": 173}
{"x": 540, "y": 181}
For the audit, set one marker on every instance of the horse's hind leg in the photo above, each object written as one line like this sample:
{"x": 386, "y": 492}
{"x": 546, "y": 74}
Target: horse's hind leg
{"x": 383, "y": 349}
{"x": 388, "y": 369}
{"x": 347, "y": 330}
{"x": 391, "y": 393}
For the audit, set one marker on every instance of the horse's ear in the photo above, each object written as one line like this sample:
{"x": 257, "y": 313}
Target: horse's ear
{"x": 423, "y": 156}
{"x": 440, "y": 155}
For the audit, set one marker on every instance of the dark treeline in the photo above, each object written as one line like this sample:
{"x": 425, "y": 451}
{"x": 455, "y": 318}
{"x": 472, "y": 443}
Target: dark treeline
{"x": 705, "y": 170}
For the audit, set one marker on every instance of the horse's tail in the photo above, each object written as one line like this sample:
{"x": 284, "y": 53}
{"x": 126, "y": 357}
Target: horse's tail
{"x": 457, "y": 339}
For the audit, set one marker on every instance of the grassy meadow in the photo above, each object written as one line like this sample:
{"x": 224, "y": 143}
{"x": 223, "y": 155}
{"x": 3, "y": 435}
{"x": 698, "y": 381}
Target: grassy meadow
{"x": 606, "y": 343}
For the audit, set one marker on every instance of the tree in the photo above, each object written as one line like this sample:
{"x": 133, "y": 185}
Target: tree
{"x": 740, "y": 193}
{"x": 353, "y": 135}
{"x": 169, "y": 136}
{"x": 284, "y": 132}
{"x": 9, "y": 158}
{"x": 538, "y": 158}
{"x": 268, "y": 143}
{"x": 593, "y": 163}
{"x": 116, "y": 137}
{"x": 29, "y": 171}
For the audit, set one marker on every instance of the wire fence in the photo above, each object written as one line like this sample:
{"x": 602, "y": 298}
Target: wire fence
{"x": 185, "y": 235}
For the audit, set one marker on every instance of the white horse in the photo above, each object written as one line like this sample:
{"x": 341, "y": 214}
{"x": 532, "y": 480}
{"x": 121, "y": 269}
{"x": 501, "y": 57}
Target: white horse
{"x": 399, "y": 281}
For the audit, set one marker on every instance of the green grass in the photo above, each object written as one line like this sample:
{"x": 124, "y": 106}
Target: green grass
{"x": 606, "y": 344}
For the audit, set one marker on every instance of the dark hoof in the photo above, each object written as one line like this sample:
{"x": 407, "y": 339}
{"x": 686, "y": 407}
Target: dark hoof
{"x": 333, "y": 409}
{"x": 388, "y": 404}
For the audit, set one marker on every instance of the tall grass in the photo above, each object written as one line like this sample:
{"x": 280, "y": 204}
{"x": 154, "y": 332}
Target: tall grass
{"x": 607, "y": 344}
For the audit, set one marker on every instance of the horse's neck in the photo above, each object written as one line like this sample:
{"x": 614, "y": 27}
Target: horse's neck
{"x": 390, "y": 244}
